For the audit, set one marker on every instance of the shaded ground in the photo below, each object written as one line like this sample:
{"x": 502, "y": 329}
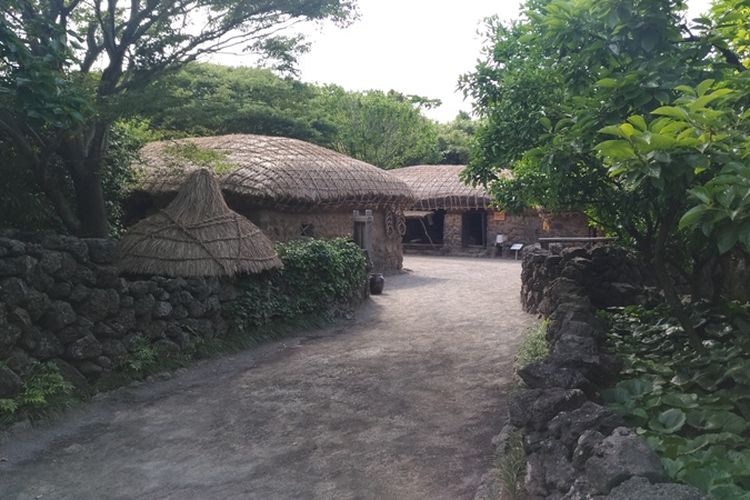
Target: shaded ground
{"x": 399, "y": 403}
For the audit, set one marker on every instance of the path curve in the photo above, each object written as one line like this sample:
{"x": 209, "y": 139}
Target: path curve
{"x": 399, "y": 403}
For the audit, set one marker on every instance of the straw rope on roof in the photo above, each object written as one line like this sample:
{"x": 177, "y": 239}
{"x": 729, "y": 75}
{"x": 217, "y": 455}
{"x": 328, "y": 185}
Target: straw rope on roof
{"x": 196, "y": 235}
{"x": 440, "y": 187}
{"x": 277, "y": 172}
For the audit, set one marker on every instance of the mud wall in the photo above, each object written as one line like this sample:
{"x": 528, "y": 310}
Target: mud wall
{"x": 286, "y": 226}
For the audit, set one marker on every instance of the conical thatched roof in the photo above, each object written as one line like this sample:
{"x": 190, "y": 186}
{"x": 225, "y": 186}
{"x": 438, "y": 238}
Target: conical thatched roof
{"x": 439, "y": 186}
{"x": 196, "y": 235}
{"x": 273, "y": 172}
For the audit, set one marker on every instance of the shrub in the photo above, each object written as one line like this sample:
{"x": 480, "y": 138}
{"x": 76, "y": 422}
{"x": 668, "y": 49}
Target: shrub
{"x": 44, "y": 390}
{"x": 317, "y": 274}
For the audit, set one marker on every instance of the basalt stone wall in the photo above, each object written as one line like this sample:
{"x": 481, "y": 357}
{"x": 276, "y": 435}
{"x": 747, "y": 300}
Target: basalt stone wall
{"x": 575, "y": 447}
{"x": 62, "y": 300}
{"x": 608, "y": 275}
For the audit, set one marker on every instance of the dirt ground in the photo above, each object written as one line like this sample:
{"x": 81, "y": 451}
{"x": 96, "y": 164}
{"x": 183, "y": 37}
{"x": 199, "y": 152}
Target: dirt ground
{"x": 399, "y": 403}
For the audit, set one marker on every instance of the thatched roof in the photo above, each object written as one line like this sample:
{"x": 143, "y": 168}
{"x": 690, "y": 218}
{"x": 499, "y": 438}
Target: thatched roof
{"x": 196, "y": 235}
{"x": 275, "y": 172}
{"x": 439, "y": 186}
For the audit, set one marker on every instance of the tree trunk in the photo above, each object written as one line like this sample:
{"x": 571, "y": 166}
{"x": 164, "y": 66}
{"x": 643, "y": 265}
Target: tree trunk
{"x": 84, "y": 159}
{"x": 92, "y": 211}
{"x": 665, "y": 281}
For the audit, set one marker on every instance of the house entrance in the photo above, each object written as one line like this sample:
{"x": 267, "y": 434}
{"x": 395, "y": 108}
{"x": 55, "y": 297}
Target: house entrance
{"x": 424, "y": 227}
{"x": 474, "y": 228}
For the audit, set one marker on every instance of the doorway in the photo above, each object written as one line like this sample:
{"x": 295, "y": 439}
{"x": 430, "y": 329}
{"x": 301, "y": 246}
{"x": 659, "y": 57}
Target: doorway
{"x": 474, "y": 228}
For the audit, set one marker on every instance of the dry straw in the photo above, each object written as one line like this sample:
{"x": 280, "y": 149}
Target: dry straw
{"x": 439, "y": 186}
{"x": 196, "y": 235}
{"x": 277, "y": 172}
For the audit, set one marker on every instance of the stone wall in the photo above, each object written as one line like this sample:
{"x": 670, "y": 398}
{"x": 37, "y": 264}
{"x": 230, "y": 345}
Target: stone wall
{"x": 62, "y": 300}
{"x": 452, "y": 231}
{"x": 609, "y": 275}
{"x": 575, "y": 447}
{"x": 286, "y": 226}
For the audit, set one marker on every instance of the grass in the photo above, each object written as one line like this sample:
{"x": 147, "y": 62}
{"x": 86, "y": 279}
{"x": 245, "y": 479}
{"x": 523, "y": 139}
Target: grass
{"x": 512, "y": 467}
{"x": 511, "y": 460}
{"x": 534, "y": 346}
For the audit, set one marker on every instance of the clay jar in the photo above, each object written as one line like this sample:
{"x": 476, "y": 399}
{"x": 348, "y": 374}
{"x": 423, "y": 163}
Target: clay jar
{"x": 377, "y": 282}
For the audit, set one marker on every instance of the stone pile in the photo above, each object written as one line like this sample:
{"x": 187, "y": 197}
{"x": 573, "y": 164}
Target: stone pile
{"x": 62, "y": 300}
{"x": 576, "y": 448}
{"x": 609, "y": 275}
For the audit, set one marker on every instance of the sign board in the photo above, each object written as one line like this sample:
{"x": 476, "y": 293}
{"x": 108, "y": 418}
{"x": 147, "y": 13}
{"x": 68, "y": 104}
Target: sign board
{"x": 516, "y": 246}
{"x": 498, "y": 216}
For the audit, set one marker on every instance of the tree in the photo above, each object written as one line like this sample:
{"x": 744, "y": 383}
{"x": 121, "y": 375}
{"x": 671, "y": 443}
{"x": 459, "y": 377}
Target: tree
{"x": 455, "y": 139}
{"x": 207, "y": 99}
{"x": 604, "y": 62}
{"x": 385, "y": 129}
{"x": 69, "y": 69}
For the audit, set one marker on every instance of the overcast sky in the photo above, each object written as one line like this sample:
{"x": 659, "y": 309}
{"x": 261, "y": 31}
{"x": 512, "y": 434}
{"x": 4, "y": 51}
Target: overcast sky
{"x": 413, "y": 46}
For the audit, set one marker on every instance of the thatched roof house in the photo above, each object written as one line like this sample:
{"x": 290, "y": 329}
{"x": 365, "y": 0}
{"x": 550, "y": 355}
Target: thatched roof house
{"x": 440, "y": 187}
{"x": 288, "y": 188}
{"x": 453, "y": 217}
{"x": 273, "y": 172}
{"x": 196, "y": 235}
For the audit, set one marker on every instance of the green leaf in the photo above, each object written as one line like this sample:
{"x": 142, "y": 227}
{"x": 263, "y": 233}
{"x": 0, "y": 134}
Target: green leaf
{"x": 726, "y": 421}
{"x": 669, "y": 421}
{"x": 671, "y": 111}
{"x": 627, "y": 129}
{"x": 680, "y": 400}
{"x": 612, "y": 130}
{"x": 692, "y": 216}
{"x": 636, "y": 387}
{"x": 704, "y": 86}
{"x": 638, "y": 122}
{"x": 616, "y": 150}
{"x": 726, "y": 239}
{"x": 607, "y": 83}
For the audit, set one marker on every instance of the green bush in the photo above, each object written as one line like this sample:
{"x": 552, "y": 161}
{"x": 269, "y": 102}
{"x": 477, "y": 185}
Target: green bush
{"x": 692, "y": 407}
{"x": 44, "y": 390}
{"x": 317, "y": 275}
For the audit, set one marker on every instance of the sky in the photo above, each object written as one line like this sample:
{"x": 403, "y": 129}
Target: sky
{"x": 413, "y": 46}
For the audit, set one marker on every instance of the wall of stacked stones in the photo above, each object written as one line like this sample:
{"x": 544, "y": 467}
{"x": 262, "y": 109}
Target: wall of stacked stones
{"x": 575, "y": 447}
{"x": 610, "y": 276}
{"x": 63, "y": 301}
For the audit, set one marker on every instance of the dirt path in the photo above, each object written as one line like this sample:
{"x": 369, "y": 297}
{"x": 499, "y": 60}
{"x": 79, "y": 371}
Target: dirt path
{"x": 400, "y": 403}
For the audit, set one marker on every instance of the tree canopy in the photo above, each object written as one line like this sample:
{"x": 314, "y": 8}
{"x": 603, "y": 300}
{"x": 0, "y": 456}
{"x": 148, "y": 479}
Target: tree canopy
{"x": 68, "y": 71}
{"x": 387, "y": 129}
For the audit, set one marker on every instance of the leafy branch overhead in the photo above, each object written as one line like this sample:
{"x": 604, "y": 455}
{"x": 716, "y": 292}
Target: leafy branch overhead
{"x": 699, "y": 145}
